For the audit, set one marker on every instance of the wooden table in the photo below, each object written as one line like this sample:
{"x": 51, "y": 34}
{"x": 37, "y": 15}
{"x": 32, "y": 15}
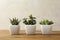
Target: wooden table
{"x": 5, "y": 35}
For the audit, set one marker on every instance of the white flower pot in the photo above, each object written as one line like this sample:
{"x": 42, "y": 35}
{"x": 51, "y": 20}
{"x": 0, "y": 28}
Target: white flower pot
{"x": 14, "y": 29}
{"x": 46, "y": 29}
{"x": 30, "y": 29}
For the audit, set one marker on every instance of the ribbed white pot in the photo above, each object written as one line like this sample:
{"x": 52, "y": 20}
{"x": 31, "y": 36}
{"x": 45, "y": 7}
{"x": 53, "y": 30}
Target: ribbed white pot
{"x": 14, "y": 29}
{"x": 30, "y": 29}
{"x": 46, "y": 29}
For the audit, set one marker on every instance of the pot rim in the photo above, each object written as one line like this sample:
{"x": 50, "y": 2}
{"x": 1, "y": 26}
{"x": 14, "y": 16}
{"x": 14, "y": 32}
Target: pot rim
{"x": 30, "y": 25}
{"x": 46, "y": 25}
{"x": 14, "y": 25}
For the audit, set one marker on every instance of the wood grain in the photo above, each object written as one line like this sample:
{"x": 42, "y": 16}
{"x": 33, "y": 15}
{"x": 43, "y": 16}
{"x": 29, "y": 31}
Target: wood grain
{"x": 5, "y": 35}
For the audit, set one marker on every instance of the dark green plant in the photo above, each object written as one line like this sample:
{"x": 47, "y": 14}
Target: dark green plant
{"x": 14, "y": 21}
{"x": 46, "y": 22}
{"x": 29, "y": 21}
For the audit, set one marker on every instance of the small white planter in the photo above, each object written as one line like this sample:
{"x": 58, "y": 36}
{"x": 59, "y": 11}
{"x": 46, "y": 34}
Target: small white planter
{"x": 46, "y": 29}
{"x": 30, "y": 29}
{"x": 14, "y": 29}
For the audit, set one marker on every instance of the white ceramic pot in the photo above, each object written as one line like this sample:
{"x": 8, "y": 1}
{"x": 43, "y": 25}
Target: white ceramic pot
{"x": 14, "y": 29}
{"x": 46, "y": 29}
{"x": 30, "y": 29}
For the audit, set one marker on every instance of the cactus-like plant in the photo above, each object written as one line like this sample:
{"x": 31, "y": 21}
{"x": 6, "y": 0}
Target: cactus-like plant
{"x": 29, "y": 21}
{"x": 14, "y": 21}
{"x": 46, "y": 22}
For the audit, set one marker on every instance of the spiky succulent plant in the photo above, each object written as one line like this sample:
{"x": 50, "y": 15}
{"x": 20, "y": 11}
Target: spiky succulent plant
{"x": 14, "y": 21}
{"x": 29, "y": 21}
{"x": 46, "y": 22}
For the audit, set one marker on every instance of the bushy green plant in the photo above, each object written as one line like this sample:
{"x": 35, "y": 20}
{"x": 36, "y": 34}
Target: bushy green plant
{"x": 29, "y": 21}
{"x": 46, "y": 22}
{"x": 14, "y": 21}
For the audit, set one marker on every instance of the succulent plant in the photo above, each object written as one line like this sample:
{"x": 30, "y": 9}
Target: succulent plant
{"x": 46, "y": 22}
{"x": 14, "y": 21}
{"x": 29, "y": 21}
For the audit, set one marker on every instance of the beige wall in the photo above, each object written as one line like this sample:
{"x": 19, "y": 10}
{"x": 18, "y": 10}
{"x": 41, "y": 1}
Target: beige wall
{"x": 42, "y": 9}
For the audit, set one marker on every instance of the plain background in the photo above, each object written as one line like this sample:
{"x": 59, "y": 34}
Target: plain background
{"x": 41, "y": 9}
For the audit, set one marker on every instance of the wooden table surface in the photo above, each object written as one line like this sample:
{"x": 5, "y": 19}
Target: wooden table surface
{"x": 5, "y": 35}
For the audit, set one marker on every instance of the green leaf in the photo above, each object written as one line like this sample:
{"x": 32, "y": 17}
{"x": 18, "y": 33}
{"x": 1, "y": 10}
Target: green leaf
{"x": 14, "y": 21}
{"x": 46, "y": 22}
{"x": 29, "y": 21}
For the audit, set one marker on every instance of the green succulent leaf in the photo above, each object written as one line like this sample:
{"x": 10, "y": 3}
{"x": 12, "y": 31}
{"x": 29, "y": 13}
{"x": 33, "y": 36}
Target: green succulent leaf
{"x": 14, "y": 21}
{"x": 29, "y": 21}
{"x": 46, "y": 22}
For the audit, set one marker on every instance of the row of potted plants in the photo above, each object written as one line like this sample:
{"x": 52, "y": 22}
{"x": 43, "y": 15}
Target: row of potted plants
{"x": 30, "y": 25}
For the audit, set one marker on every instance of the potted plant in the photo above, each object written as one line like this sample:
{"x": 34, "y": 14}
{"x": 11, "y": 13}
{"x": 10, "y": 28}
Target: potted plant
{"x": 30, "y": 26}
{"x": 46, "y": 26}
{"x": 14, "y": 28}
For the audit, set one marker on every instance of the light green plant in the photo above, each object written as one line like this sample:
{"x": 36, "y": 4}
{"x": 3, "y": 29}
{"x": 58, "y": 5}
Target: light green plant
{"x": 14, "y": 21}
{"x": 46, "y": 22}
